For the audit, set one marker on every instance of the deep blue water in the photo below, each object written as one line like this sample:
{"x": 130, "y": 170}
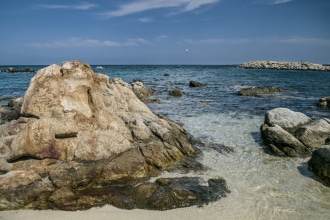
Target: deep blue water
{"x": 219, "y": 93}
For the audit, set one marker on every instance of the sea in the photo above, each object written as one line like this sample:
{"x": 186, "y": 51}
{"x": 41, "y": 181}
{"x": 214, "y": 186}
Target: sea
{"x": 262, "y": 185}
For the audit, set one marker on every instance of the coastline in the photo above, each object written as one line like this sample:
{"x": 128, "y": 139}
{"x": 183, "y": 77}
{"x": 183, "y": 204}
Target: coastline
{"x": 261, "y": 64}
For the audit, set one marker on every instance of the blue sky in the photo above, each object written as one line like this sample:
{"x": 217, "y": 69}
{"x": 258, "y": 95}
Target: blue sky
{"x": 161, "y": 31}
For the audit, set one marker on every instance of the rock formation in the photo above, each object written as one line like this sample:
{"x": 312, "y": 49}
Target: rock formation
{"x": 83, "y": 140}
{"x": 284, "y": 65}
{"x": 289, "y": 133}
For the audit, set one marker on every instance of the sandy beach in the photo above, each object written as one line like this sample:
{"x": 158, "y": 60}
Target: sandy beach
{"x": 110, "y": 212}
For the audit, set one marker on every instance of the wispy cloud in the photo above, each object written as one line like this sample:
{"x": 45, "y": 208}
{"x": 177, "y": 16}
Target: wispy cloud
{"x": 81, "y": 42}
{"x": 276, "y": 2}
{"x": 83, "y": 6}
{"x": 272, "y": 2}
{"x": 298, "y": 40}
{"x": 146, "y": 20}
{"x": 216, "y": 41}
{"x": 145, "y": 5}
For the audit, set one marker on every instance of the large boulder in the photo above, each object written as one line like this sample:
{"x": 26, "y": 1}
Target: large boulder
{"x": 79, "y": 136}
{"x": 289, "y": 133}
{"x": 320, "y": 163}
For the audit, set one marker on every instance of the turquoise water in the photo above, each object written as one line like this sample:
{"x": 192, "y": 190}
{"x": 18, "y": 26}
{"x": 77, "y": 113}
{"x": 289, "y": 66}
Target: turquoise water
{"x": 262, "y": 186}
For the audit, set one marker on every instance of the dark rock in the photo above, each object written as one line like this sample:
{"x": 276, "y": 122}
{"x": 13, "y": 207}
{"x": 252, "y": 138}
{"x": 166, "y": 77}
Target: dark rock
{"x": 8, "y": 114}
{"x": 261, "y": 91}
{"x": 170, "y": 193}
{"x": 324, "y": 102}
{"x": 320, "y": 163}
{"x": 176, "y": 92}
{"x": 195, "y": 84}
{"x": 26, "y": 70}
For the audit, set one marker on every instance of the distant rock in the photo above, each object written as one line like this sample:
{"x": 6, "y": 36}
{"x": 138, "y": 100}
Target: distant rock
{"x": 25, "y": 70}
{"x": 83, "y": 140}
{"x": 261, "y": 91}
{"x": 195, "y": 84}
{"x": 284, "y": 65}
{"x": 176, "y": 92}
{"x": 324, "y": 102}
{"x": 289, "y": 133}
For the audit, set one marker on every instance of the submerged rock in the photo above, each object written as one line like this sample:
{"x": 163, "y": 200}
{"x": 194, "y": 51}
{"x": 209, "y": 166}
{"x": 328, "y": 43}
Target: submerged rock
{"x": 289, "y": 133}
{"x": 83, "y": 140}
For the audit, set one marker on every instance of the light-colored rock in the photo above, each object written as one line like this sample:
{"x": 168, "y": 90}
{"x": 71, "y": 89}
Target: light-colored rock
{"x": 286, "y": 118}
{"x": 282, "y": 142}
{"x": 81, "y": 130}
{"x": 289, "y": 133}
{"x": 315, "y": 133}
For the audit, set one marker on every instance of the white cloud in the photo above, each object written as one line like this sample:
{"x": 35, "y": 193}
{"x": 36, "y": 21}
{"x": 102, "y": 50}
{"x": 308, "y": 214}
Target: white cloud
{"x": 84, "y": 6}
{"x": 145, "y": 5}
{"x": 80, "y": 42}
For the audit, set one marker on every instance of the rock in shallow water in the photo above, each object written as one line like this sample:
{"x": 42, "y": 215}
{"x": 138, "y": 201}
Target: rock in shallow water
{"x": 320, "y": 163}
{"x": 84, "y": 140}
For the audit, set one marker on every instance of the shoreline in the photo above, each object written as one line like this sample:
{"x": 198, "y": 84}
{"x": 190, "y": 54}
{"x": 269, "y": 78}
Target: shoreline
{"x": 261, "y": 64}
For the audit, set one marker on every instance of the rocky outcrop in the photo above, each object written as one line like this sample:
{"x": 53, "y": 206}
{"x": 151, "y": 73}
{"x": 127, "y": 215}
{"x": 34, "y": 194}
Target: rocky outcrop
{"x": 284, "y": 65}
{"x": 289, "y": 133}
{"x": 84, "y": 140}
{"x": 324, "y": 102}
{"x": 261, "y": 91}
{"x": 320, "y": 163}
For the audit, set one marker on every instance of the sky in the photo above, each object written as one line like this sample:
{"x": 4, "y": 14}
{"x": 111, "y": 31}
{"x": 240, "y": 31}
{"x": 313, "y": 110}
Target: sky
{"x": 215, "y": 32}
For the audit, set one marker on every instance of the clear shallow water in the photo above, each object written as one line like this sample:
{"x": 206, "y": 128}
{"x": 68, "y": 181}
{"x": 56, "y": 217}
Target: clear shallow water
{"x": 262, "y": 186}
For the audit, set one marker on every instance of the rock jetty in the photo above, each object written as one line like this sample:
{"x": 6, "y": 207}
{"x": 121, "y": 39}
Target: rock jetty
{"x": 284, "y": 65}
{"x": 83, "y": 140}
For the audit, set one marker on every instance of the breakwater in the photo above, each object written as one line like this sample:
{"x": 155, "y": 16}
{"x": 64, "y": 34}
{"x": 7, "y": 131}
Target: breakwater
{"x": 284, "y": 65}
